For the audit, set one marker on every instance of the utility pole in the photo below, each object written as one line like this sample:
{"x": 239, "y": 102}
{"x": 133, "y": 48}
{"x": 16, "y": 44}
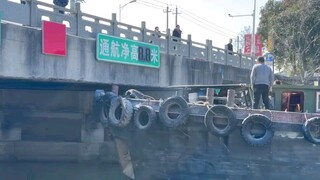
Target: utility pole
{"x": 176, "y": 14}
{"x": 167, "y": 11}
{"x": 253, "y": 43}
{"x": 122, "y": 6}
{"x": 238, "y": 44}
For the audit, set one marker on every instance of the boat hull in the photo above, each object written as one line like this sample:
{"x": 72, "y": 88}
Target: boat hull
{"x": 191, "y": 152}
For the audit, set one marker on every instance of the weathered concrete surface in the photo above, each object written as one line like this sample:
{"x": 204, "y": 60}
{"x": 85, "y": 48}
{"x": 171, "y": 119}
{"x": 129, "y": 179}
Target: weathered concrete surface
{"x": 52, "y": 126}
{"x": 58, "y": 151}
{"x": 191, "y": 152}
{"x": 35, "y": 170}
{"x": 21, "y": 58}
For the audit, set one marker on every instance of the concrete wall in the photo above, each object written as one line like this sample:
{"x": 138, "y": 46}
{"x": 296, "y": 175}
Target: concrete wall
{"x": 52, "y": 125}
{"x": 21, "y": 58}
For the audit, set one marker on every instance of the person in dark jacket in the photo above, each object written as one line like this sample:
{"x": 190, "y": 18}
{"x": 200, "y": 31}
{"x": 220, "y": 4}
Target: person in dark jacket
{"x": 61, "y": 3}
{"x": 230, "y": 47}
{"x": 176, "y": 33}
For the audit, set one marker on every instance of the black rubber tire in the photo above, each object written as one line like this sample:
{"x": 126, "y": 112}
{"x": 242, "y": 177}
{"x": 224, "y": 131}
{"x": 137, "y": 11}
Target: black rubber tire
{"x": 98, "y": 95}
{"x": 104, "y": 107}
{"x": 175, "y": 121}
{"x": 144, "y": 113}
{"x": 220, "y": 110}
{"x": 120, "y": 117}
{"x": 307, "y": 131}
{"x": 247, "y": 125}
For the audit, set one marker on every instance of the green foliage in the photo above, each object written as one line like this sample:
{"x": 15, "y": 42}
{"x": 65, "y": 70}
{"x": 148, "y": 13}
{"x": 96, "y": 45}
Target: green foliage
{"x": 294, "y": 27}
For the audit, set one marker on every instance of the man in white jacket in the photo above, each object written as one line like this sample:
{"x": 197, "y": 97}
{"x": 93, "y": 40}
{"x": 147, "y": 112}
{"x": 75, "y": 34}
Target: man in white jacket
{"x": 261, "y": 81}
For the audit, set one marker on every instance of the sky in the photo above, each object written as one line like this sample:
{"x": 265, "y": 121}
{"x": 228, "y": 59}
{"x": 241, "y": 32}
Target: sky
{"x": 203, "y": 19}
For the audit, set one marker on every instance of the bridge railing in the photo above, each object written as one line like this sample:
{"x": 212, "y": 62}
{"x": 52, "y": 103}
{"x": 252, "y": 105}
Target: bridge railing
{"x": 88, "y": 26}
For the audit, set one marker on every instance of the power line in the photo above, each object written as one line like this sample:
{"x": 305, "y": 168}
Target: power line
{"x": 198, "y": 18}
{"x": 192, "y": 18}
{"x": 205, "y": 27}
{"x": 210, "y": 26}
{"x": 156, "y": 5}
{"x": 161, "y": 2}
{"x": 152, "y": 6}
{"x": 211, "y": 23}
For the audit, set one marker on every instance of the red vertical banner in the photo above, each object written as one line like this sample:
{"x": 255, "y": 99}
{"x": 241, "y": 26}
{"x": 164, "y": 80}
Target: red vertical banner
{"x": 258, "y": 50}
{"x": 54, "y": 38}
{"x": 247, "y": 44}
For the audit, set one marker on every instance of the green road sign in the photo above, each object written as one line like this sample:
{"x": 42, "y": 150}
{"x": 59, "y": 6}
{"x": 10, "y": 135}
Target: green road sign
{"x": 120, "y": 50}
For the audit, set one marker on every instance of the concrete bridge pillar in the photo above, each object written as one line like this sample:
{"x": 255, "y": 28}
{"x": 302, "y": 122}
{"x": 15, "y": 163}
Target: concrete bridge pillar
{"x": 8, "y": 133}
{"x": 91, "y": 130}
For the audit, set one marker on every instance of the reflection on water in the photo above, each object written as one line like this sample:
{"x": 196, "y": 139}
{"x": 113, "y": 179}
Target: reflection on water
{"x": 59, "y": 171}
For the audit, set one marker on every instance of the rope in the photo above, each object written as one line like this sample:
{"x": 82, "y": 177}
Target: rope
{"x": 185, "y": 133}
{"x": 224, "y": 145}
{"x": 305, "y": 116}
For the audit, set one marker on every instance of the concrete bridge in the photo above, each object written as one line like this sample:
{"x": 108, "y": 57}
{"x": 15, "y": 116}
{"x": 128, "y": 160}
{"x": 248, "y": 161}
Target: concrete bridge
{"x": 44, "y": 116}
{"x": 182, "y": 62}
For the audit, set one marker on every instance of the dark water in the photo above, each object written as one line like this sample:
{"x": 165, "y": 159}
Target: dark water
{"x": 59, "y": 171}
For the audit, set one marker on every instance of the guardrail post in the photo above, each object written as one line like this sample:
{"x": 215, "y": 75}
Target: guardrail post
{"x": 226, "y": 55}
{"x": 240, "y": 59}
{"x": 209, "y": 50}
{"x": 114, "y": 24}
{"x": 168, "y": 41}
{"x": 33, "y": 13}
{"x": 78, "y": 16}
{"x": 143, "y": 31}
{"x": 189, "y": 45}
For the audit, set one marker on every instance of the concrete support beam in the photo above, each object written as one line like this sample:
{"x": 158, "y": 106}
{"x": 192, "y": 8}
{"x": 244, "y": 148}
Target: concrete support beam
{"x": 59, "y": 151}
{"x": 92, "y": 134}
{"x": 12, "y": 134}
{"x": 6, "y": 150}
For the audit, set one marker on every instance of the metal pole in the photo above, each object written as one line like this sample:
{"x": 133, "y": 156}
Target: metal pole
{"x": 253, "y": 45}
{"x": 119, "y": 12}
{"x": 238, "y": 44}
{"x": 72, "y": 5}
{"x": 273, "y": 65}
{"x": 176, "y": 16}
{"x": 167, "y": 11}
{"x": 121, "y": 7}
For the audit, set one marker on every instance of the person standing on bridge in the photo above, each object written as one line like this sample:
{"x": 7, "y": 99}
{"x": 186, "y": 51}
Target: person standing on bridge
{"x": 261, "y": 81}
{"x": 156, "y": 32}
{"x": 230, "y": 47}
{"x": 61, "y": 3}
{"x": 176, "y": 33}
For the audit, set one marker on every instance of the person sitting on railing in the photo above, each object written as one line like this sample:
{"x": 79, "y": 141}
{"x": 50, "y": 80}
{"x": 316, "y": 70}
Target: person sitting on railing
{"x": 176, "y": 33}
{"x": 23, "y": 2}
{"x": 61, "y": 3}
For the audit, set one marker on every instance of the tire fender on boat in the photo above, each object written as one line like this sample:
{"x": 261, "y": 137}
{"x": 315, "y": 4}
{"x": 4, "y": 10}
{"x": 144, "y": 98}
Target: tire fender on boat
{"x": 144, "y": 117}
{"x": 105, "y": 106}
{"x": 120, "y": 112}
{"x": 251, "y": 123}
{"x": 220, "y": 112}
{"x": 310, "y": 127}
{"x": 174, "y": 120}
